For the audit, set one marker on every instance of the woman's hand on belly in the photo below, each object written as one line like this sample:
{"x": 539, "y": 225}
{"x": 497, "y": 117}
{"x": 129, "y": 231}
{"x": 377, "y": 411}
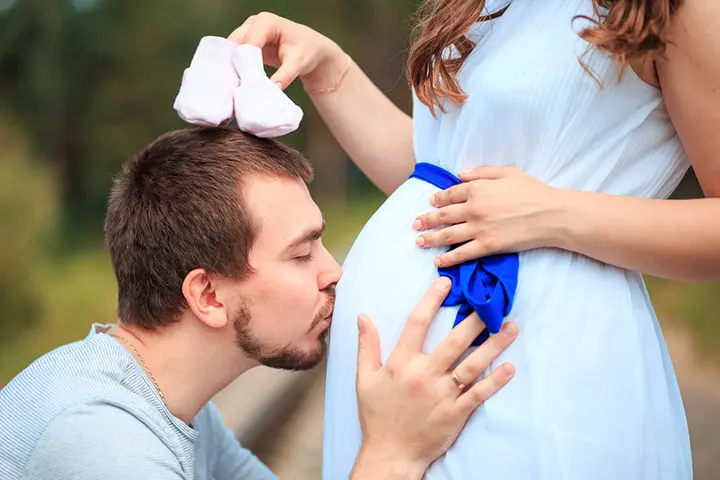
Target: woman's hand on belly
{"x": 413, "y": 408}
{"x": 496, "y": 210}
{"x": 502, "y": 210}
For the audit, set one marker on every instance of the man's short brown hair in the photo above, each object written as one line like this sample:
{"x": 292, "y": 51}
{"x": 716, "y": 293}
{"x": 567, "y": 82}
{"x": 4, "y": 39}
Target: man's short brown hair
{"x": 176, "y": 206}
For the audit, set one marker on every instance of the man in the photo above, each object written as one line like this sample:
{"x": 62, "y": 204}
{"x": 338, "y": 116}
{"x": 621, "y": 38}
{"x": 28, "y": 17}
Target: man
{"x": 216, "y": 246}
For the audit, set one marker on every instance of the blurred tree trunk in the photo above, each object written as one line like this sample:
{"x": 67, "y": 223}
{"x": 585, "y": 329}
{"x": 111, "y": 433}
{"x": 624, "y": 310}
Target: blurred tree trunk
{"x": 328, "y": 159}
{"x": 320, "y": 147}
{"x": 382, "y": 56}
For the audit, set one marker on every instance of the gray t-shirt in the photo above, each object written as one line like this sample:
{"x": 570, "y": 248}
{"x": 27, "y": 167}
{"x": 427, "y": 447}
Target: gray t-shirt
{"x": 87, "y": 411}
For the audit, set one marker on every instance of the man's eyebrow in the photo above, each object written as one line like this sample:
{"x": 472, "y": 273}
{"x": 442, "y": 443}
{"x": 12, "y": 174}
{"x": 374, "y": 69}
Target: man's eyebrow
{"x": 307, "y": 236}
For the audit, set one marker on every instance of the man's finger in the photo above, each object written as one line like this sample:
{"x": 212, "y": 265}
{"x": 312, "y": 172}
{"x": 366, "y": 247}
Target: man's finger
{"x": 416, "y": 328}
{"x": 456, "y": 343}
{"x": 485, "y": 388}
{"x": 472, "y": 367}
{"x": 456, "y": 194}
{"x": 368, "y": 347}
{"x": 486, "y": 173}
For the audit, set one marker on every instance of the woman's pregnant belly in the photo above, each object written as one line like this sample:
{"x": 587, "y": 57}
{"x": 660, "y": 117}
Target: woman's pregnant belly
{"x": 594, "y": 385}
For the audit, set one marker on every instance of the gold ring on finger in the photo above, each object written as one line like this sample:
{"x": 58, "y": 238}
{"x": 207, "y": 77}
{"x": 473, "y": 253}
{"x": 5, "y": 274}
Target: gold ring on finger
{"x": 457, "y": 381}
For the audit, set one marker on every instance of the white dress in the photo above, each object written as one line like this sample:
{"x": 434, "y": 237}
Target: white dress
{"x": 595, "y": 395}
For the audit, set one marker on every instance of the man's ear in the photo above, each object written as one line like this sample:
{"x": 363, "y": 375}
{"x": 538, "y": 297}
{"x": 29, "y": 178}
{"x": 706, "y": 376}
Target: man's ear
{"x": 201, "y": 295}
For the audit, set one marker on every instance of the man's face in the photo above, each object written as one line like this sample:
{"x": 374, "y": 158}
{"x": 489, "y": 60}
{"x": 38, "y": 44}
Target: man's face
{"x": 283, "y": 314}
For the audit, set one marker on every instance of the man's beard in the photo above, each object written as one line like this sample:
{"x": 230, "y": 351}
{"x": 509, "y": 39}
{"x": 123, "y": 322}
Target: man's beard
{"x": 286, "y": 357}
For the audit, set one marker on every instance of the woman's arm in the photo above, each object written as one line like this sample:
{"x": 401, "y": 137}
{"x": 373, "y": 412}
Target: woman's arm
{"x": 502, "y": 209}
{"x": 676, "y": 239}
{"x": 373, "y": 131}
{"x": 369, "y": 127}
{"x": 506, "y": 210}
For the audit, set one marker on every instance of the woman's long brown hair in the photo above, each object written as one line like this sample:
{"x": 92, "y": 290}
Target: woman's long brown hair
{"x": 627, "y": 29}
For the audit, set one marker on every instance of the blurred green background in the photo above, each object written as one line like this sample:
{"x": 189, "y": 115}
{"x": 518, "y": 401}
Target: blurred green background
{"x": 85, "y": 83}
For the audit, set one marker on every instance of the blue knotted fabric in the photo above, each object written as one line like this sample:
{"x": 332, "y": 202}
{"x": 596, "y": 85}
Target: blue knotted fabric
{"x": 486, "y": 285}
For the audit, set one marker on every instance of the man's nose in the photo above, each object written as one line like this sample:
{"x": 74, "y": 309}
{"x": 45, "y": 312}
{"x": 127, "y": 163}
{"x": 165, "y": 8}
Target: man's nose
{"x": 330, "y": 273}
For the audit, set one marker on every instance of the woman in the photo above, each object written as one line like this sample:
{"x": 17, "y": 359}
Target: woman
{"x": 577, "y": 162}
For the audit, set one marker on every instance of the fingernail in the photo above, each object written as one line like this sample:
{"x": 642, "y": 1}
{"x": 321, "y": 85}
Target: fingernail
{"x": 464, "y": 172}
{"x": 509, "y": 329}
{"x": 361, "y": 324}
{"x": 508, "y": 369}
{"x": 443, "y": 283}
{"x": 419, "y": 241}
{"x": 417, "y": 224}
{"x": 437, "y": 262}
{"x": 279, "y": 85}
{"x": 434, "y": 200}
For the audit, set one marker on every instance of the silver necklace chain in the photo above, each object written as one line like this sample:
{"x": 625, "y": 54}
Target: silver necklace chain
{"x": 142, "y": 362}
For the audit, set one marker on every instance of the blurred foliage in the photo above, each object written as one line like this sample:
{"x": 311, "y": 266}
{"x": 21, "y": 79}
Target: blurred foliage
{"x": 73, "y": 292}
{"x": 92, "y": 81}
{"x": 84, "y": 84}
{"x": 26, "y": 206}
{"x": 692, "y": 306}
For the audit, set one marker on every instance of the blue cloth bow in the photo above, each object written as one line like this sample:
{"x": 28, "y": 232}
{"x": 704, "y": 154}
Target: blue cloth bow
{"x": 486, "y": 285}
